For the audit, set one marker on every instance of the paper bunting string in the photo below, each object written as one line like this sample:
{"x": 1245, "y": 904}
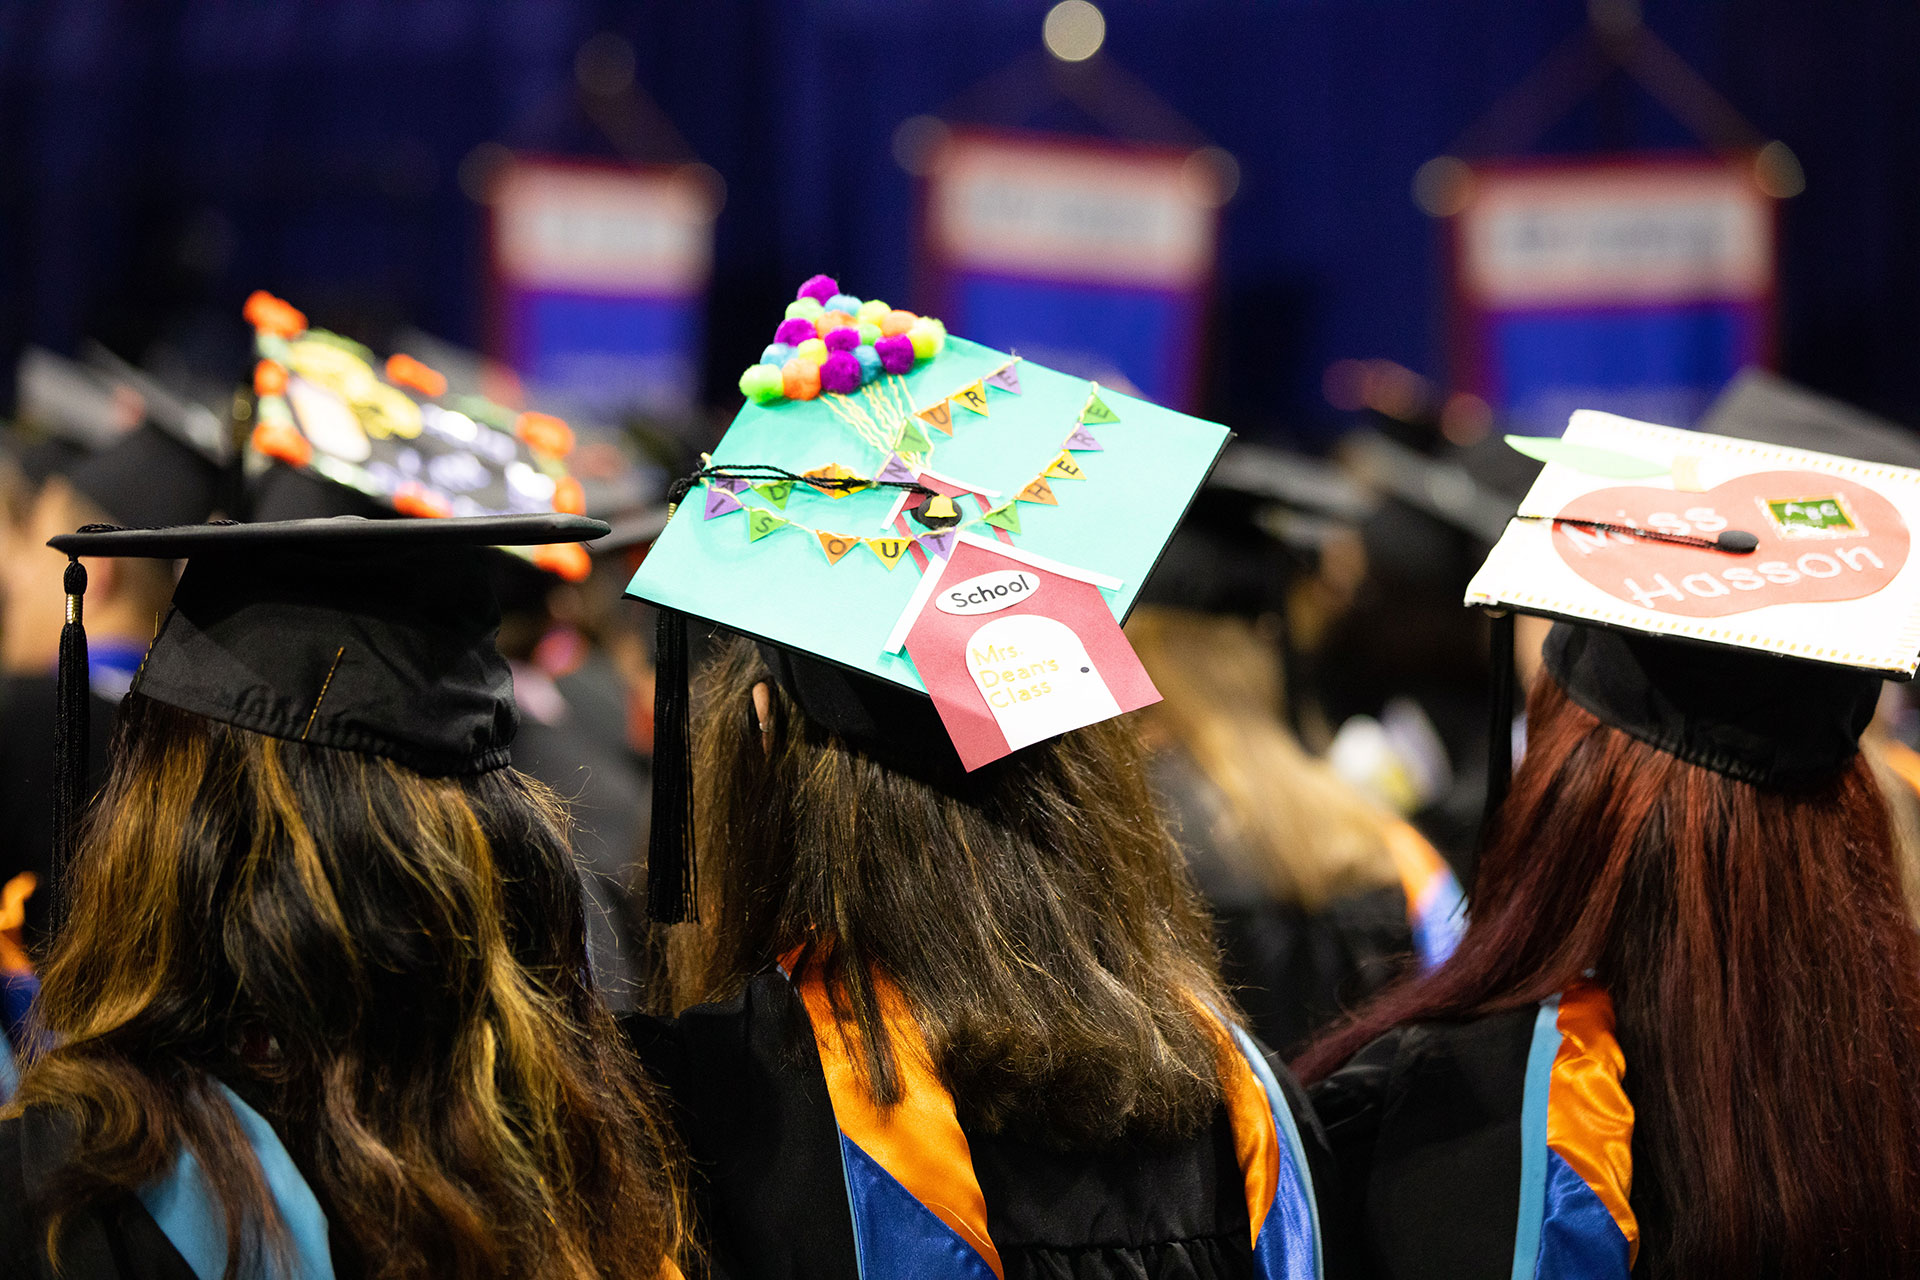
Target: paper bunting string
{"x": 896, "y": 469}
{"x": 912, "y": 439}
{"x": 761, "y": 522}
{"x": 1065, "y": 468}
{"x": 1007, "y": 378}
{"x": 720, "y": 502}
{"x": 835, "y": 545}
{"x": 777, "y": 491}
{"x": 938, "y": 416}
{"x": 1083, "y": 439}
{"x": 1004, "y": 517}
{"x": 1038, "y": 491}
{"x": 1097, "y": 410}
{"x": 890, "y": 550}
{"x": 973, "y": 397}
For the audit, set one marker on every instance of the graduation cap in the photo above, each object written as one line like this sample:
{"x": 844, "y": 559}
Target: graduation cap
{"x": 1734, "y": 604}
{"x": 394, "y": 437}
{"x": 890, "y": 493}
{"x": 375, "y": 636}
{"x": 130, "y": 447}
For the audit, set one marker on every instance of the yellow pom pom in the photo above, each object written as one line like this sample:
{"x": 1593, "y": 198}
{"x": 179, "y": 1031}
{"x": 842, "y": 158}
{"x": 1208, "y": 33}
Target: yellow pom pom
{"x": 805, "y": 309}
{"x": 873, "y": 311}
{"x": 813, "y": 351}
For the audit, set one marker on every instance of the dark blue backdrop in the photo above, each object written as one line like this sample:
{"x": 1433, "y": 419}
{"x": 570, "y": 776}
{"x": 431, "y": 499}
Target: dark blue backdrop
{"x": 158, "y": 160}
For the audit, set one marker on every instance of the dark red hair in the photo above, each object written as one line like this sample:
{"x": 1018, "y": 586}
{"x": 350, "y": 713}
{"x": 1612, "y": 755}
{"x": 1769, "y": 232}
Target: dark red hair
{"x": 1765, "y": 976}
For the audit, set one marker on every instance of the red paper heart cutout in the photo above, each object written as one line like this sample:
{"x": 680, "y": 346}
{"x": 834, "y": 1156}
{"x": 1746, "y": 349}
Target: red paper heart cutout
{"x": 1855, "y": 557}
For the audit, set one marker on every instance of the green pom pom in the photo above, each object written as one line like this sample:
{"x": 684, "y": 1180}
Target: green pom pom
{"x": 872, "y": 311}
{"x": 805, "y": 309}
{"x": 869, "y": 332}
{"x": 762, "y": 383}
{"x": 928, "y": 337}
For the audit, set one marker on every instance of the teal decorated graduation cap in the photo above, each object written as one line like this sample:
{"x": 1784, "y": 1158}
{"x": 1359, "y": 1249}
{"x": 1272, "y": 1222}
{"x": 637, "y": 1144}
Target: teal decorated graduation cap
{"x": 875, "y": 453}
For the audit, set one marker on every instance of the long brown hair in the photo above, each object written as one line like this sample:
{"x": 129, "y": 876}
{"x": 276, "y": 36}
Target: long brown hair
{"x": 1302, "y": 831}
{"x": 1766, "y": 982}
{"x": 1035, "y": 918}
{"x": 392, "y": 967}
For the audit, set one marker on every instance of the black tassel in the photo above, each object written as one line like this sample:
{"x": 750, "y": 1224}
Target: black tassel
{"x": 71, "y": 723}
{"x": 1499, "y": 721}
{"x": 670, "y": 844}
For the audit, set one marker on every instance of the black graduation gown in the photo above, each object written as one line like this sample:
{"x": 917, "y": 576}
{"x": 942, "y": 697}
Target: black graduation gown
{"x": 26, "y": 783}
{"x": 751, "y": 1102}
{"x": 117, "y": 1241}
{"x": 1435, "y": 1146}
{"x": 1294, "y": 971}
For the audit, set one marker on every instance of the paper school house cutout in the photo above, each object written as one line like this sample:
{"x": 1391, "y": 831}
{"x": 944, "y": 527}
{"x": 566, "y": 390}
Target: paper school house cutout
{"x": 1015, "y": 649}
{"x": 1831, "y": 577}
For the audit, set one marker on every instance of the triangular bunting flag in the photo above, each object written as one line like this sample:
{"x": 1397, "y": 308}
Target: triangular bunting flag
{"x": 973, "y": 397}
{"x": 896, "y": 470}
{"x": 938, "y": 416}
{"x": 776, "y": 491}
{"x": 732, "y": 484}
{"x": 889, "y": 549}
{"x": 912, "y": 439}
{"x": 1007, "y": 379}
{"x": 1082, "y": 439}
{"x": 761, "y": 522}
{"x": 836, "y": 545}
{"x": 1004, "y": 518}
{"x": 1096, "y": 410}
{"x": 1065, "y": 468}
{"x": 1038, "y": 491}
{"x": 720, "y": 502}
{"x": 939, "y": 544}
{"x": 834, "y": 471}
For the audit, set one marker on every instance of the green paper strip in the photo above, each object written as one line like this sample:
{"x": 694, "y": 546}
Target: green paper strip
{"x": 1004, "y": 518}
{"x": 775, "y": 491}
{"x": 1585, "y": 458}
{"x": 761, "y": 522}
{"x": 912, "y": 439}
{"x": 1097, "y": 411}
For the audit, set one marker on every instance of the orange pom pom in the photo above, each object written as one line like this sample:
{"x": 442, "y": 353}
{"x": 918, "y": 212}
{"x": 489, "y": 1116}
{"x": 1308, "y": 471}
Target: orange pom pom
{"x": 418, "y": 500}
{"x": 569, "y": 497}
{"x": 269, "y": 314}
{"x": 269, "y": 378}
{"x": 282, "y": 440}
{"x": 800, "y": 380}
{"x": 895, "y": 322}
{"x": 827, "y": 323}
{"x": 544, "y": 434}
{"x": 405, "y": 371}
{"x": 567, "y": 560}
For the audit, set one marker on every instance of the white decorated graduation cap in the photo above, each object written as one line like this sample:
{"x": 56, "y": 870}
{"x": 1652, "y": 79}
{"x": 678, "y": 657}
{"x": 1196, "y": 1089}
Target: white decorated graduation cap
{"x": 1732, "y": 602}
{"x": 875, "y": 453}
{"x": 392, "y": 437}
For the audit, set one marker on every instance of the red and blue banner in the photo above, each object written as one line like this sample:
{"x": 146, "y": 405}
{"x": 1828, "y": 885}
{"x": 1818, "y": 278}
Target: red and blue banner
{"x": 599, "y": 276}
{"x": 1095, "y": 258}
{"x": 1637, "y": 286}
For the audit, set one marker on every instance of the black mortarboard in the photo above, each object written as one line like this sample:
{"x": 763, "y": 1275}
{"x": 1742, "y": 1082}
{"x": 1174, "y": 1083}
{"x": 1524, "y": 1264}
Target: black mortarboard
{"x": 1733, "y": 604}
{"x": 375, "y": 636}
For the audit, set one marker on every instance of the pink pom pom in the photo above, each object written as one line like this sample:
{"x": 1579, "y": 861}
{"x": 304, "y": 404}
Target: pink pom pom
{"x": 896, "y": 353}
{"x": 819, "y": 288}
{"x": 841, "y": 372}
{"x": 842, "y": 339}
{"x": 793, "y": 332}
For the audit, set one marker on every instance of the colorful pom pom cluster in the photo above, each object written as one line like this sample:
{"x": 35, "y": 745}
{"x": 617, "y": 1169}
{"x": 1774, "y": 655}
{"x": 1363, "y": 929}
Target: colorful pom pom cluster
{"x": 830, "y": 342}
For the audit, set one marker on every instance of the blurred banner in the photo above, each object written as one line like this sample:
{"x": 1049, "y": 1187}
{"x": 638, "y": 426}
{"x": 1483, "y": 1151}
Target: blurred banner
{"x": 1094, "y": 258}
{"x": 598, "y": 277}
{"x": 1639, "y": 286}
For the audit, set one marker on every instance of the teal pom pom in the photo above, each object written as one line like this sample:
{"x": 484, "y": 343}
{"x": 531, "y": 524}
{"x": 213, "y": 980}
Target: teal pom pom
{"x": 845, "y": 303}
{"x": 762, "y": 383}
{"x": 776, "y": 354}
{"x": 869, "y": 363}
